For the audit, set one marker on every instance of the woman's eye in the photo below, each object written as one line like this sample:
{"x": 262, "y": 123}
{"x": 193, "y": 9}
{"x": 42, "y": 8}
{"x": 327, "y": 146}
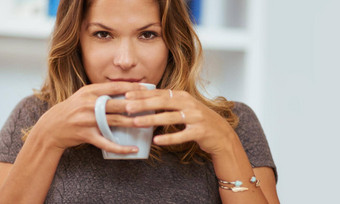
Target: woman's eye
{"x": 102, "y": 35}
{"x": 148, "y": 35}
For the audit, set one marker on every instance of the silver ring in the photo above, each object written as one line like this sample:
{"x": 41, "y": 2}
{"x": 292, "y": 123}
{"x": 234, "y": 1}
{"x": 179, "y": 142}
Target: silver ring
{"x": 182, "y": 115}
{"x": 170, "y": 93}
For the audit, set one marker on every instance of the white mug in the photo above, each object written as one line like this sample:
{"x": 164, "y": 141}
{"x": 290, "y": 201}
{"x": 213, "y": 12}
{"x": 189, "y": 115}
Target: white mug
{"x": 140, "y": 137}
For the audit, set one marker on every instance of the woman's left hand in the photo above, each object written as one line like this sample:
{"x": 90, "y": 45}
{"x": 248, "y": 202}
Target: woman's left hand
{"x": 203, "y": 125}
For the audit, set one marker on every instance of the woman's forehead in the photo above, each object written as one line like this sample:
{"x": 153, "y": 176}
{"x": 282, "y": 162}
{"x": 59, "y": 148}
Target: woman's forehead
{"x": 120, "y": 3}
{"x": 127, "y": 11}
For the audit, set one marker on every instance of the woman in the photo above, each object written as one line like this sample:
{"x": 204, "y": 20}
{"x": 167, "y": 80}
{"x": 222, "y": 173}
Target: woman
{"x": 106, "y": 47}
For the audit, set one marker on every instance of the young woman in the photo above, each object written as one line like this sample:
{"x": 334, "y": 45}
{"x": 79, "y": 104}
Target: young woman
{"x": 204, "y": 151}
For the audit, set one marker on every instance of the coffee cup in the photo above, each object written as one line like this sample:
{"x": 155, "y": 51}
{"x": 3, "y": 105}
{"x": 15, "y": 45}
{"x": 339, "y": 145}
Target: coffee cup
{"x": 140, "y": 137}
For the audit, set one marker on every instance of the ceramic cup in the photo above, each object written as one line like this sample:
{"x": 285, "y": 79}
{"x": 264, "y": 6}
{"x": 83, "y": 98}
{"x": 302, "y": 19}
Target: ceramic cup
{"x": 140, "y": 137}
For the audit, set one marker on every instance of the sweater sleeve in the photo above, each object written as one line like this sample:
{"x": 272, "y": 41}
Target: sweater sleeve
{"x": 253, "y": 138}
{"x": 23, "y": 117}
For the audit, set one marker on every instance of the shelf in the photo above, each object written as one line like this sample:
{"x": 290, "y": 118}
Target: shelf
{"x": 223, "y": 39}
{"x": 40, "y": 28}
{"x": 35, "y": 28}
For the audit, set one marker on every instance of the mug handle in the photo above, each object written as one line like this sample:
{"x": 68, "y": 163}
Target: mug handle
{"x": 100, "y": 114}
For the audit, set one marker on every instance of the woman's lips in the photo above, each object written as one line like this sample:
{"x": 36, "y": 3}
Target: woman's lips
{"x": 127, "y": 79}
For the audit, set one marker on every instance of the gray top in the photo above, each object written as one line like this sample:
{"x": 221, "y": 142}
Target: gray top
{"x": 83, "y": 176}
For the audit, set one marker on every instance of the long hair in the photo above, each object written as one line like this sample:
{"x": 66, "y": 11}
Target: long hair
{"x": 66, "y": 73}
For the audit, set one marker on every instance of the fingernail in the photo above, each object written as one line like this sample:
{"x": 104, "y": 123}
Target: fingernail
{"x": 129, "y": 108}
{"x": 156, "y": 140}
{"x": 128, "y": 95}
{"x": 136, "y": 121}
{"x": 134, "y": 149}
{"x": 140, "y": 122}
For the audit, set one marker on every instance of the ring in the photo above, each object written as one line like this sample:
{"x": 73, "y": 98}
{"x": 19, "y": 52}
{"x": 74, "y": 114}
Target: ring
{"x": 170, "y": 93}
{"x": 182, "y": 115}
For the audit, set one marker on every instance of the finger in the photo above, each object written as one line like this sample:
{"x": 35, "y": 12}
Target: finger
{"x": 173, "y": 138}
{"x": 161, "y": 99}
{"x": 142, "y": 94}
{"x": 165, "y": 118}
{"x": 155, "y": 103}
{"x": 113, "y": 88}
{"x": 116, "y": 106}
{"x": 119, "y": 120}
{"x": 104, "y": 144}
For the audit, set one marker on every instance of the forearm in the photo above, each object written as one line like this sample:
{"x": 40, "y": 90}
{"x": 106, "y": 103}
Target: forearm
{"x": 32, "y": 173}
{"x": 232, "y": 165}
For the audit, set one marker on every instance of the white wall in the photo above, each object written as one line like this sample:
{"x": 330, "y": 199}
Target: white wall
{"x": 302, "y": 98}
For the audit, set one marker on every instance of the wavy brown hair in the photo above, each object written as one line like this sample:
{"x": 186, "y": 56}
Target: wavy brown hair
{"x": 66, "y": 73}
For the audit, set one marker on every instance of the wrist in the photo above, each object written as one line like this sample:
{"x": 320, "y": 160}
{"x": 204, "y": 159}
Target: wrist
{"x": 228, "y": 146}
{"x": 232, "y": 160}
{"x": 40, "y": 139}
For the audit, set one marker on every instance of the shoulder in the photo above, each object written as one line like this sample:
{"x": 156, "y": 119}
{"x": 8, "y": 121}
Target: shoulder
{"x": 23, "y": 117}
{"x": 32, "y": 104}
{"x": 249, "y": 127}
{"x": 26, "y": 113}
{"x": 252, "y": 136}
{"x": 29, "y": 108}
{"x": 242, "y": 109}
{"x": 31, "y": 101}
{"x": 247, "y": 118}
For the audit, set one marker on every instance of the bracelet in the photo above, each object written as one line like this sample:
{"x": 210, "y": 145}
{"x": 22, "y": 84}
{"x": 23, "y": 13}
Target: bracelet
{"x": 253, "y": 179}
{"x": 234, "y": 189}
{"x": 237, "y": 184}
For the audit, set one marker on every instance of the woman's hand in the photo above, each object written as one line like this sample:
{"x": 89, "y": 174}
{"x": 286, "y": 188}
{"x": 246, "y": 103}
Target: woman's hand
{"x": 72, "y": 122}
{"x": 211, "y": 131}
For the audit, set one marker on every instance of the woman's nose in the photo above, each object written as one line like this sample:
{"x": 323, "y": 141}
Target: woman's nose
{"x": 125, "y": 55}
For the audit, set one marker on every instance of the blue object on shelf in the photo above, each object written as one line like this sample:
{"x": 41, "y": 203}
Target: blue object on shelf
{"x": 195, "y": 10}
{"x": 53, "y": 7}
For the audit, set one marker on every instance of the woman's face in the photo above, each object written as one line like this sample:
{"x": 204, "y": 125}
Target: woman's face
{"x": 121, "y": 40}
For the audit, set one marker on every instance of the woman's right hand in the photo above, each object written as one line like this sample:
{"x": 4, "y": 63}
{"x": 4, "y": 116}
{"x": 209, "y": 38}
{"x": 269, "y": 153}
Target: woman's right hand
{"x": 72, "y": 122}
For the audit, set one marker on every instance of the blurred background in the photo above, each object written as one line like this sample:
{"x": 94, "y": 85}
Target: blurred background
{"x": 279, "y": 57}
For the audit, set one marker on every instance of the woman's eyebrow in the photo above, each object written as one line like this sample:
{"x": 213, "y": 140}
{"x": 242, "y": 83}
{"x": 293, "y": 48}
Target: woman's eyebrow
{"x": 111, "y": 29}
{"x": 149, "y": 25}
{"x": 99, "y": 25}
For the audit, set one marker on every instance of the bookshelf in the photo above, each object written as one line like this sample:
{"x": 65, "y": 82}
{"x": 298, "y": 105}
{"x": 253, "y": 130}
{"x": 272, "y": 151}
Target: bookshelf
{"x": 233, "y": 46}
{"x": 232, "y": 34}
{"x": 230, "y": 39}
{"x": 34, "y": 28}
